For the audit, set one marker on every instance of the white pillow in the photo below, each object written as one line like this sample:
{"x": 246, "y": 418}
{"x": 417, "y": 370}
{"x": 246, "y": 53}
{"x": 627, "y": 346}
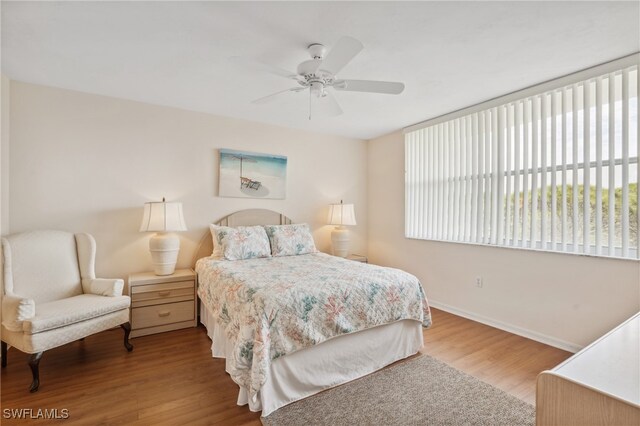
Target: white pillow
{"x": 290, "y": 240}
{"x": 242, "y": 242}
{"x": 217, "y": 246}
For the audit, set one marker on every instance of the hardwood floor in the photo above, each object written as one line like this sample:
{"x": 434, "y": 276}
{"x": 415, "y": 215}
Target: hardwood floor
{"x": 171, "y": 379}
{"x": 502, "y": 359}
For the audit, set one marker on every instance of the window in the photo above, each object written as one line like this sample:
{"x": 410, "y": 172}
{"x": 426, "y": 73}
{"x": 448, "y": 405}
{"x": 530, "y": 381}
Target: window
{"x": 553, "y": 167}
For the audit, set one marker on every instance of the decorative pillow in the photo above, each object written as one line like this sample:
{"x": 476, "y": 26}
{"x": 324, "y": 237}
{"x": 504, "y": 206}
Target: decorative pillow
{"x": 243, "y": 242}
{"x": 290, "y": 240}
{"x": 217, "y": 247}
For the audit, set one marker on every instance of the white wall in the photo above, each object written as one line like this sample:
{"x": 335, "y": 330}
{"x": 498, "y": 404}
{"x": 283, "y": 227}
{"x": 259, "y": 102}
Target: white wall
{"x": 82, "y": 162}
{"x": 565, "y": 300}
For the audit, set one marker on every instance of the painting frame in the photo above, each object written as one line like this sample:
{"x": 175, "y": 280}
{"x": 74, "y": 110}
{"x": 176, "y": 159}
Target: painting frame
{"x": 247, "y": 174}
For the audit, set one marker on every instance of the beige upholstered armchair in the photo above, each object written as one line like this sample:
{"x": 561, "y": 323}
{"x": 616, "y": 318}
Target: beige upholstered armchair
{"x": 52, "y": 297}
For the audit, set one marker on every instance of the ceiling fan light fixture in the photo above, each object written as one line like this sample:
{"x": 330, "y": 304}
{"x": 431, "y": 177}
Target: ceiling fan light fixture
{"x": 317, "y": 88}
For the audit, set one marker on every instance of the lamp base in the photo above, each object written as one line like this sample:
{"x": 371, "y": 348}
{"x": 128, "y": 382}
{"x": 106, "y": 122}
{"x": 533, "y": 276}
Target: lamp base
{"x": 164, "y": 247}
{"x": 340, "y": 241}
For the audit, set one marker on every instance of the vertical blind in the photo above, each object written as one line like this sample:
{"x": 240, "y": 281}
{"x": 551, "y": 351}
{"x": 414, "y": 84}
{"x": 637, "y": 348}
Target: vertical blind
{"x": 555, "y": 170}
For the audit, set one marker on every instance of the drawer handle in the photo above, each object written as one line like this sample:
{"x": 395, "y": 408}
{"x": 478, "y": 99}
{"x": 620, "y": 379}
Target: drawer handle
{"x": 164, "y": 293}
{"x": 164, "y": 314}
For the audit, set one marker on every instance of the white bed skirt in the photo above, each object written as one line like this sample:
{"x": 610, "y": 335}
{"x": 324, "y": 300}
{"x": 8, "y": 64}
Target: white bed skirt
{"x": 331, "y": 363}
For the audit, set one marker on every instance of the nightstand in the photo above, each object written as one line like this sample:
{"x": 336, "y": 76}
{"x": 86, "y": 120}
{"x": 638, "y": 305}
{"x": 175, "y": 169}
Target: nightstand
{"x": 162, "y": 303}
{"x": 358, "y": 258}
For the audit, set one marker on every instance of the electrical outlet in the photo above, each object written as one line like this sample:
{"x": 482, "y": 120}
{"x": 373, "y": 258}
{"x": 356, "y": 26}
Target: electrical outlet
{"x": 479, "y": 282}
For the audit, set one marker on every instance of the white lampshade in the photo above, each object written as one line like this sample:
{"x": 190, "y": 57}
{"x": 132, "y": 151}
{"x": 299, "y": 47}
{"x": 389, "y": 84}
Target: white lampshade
{"x": 161, "y": 216}
{"x": 341, "y": 214}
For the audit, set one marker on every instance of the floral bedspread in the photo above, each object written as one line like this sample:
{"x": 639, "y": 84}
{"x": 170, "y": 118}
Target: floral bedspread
{"x": 271, "y": 307}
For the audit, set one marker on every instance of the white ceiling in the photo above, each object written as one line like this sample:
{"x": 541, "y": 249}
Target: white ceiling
{"x": 449, "y": 54}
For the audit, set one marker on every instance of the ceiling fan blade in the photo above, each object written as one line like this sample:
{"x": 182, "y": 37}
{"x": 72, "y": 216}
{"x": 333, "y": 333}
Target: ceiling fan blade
{"x": 386, "y": 87}
{"x": 261, "y": 66}
{"x": 342, "y": 53}
{"x": 271, "y": 97}
{"x": 326, "y": 106}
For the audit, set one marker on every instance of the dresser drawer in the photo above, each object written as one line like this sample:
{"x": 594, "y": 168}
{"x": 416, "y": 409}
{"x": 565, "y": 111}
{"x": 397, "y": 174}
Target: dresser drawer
{"x": 139, "y": 290}
{"x": 167, "y": 313}
{"x": 162, "y": 296}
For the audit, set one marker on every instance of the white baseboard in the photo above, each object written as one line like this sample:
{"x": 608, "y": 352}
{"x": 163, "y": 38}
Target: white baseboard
{"x": 538, "y": 337}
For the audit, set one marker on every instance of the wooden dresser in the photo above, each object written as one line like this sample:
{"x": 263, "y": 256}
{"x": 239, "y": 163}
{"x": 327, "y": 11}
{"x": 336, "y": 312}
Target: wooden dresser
{"x": 600, "y": 385}
{"x": 162, "y": 303}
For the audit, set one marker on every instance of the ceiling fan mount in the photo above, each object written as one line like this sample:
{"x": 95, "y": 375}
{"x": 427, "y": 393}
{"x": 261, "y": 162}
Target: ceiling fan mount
{"x": 318, "y": 74}
{"x": 317, "y": 50}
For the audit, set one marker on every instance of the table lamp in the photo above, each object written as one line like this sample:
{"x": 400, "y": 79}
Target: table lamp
{"x": 164, "y": 218}
{"x": 341, "y": 215}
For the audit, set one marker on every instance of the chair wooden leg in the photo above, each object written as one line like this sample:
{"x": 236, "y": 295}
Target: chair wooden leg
{"x": 127, "y": 330}
{"x": 4, "y": 354}
{"x": 34, "y": 363}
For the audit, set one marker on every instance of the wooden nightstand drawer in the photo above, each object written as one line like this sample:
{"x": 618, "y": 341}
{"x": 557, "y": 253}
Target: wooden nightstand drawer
{"x": 151, "y": 316}
{"x": 149, "y": 288}
{"x": 154, "y": 294}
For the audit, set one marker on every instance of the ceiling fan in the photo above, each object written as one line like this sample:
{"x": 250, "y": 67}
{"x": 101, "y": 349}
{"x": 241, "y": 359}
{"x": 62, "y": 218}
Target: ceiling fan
{"x": 319, "y": 76}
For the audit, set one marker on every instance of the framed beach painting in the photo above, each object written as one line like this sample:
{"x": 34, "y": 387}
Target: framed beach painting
{"x": 252, "y": 175}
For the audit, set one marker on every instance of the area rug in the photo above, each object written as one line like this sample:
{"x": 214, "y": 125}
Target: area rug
{"x": 420, "y": 391}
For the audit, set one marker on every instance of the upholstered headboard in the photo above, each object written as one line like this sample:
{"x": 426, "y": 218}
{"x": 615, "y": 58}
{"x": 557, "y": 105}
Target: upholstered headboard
{"x": 240, "y": 218}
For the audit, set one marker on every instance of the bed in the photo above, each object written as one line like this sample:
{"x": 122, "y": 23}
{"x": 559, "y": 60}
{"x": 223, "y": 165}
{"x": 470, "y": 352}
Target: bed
{"x": 292, "y": 326}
